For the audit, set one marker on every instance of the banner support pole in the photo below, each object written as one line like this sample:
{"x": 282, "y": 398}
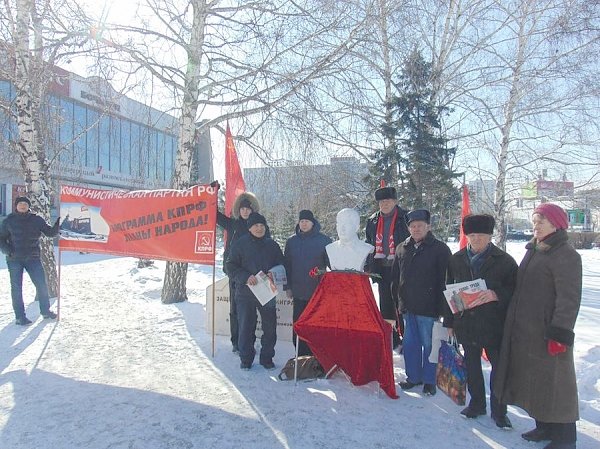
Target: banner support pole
{"x": 59, "y": 259}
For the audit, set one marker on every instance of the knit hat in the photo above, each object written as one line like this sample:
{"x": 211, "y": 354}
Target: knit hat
{"x": 306, "y": 215}
{"x": 255, "y": 218}
{"x": 418, "y": 215}
{"x": 555, "y": 215}
{"x": 384, "y": 193}
{"x": 478, "y": 224}
{"x": 246, "y": 203}
{"x": 22, "y": 199}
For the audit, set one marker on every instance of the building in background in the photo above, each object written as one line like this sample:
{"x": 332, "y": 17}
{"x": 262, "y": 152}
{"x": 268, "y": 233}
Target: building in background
{"x": 285, "y": 188}
{"x": 581, "y": 206}
{"x": 98, "y": 137}
{"x": 482, "y": 195}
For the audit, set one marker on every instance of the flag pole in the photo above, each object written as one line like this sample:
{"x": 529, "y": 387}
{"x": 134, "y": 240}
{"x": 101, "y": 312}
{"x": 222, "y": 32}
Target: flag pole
{"x": 213, "y": 299}
{"x": 59, "y": 261}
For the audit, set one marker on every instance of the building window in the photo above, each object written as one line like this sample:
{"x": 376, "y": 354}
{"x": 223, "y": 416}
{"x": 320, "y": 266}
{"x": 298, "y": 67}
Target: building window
{"x": 80, "y": 135}
{"x": 104, "y": 141}
{"x": 126, "y": 147}
{"x": 136, "y": 148}
{"x": 93, "y": 119}
{"x": 66, "y": 131}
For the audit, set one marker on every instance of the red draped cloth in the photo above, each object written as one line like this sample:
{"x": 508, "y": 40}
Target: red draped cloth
{"x": 343, "y": 327}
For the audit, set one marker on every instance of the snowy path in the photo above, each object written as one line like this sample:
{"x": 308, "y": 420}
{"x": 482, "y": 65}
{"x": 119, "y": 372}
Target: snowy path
{"x": 121, "y": 370}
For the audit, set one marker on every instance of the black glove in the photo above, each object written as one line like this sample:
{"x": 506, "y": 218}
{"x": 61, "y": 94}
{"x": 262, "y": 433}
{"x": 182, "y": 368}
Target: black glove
{"x": 215, "y": 184}
{"x": 56, "y": 223}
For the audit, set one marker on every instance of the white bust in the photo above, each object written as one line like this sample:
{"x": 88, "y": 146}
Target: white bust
{"x": 348, "y": 253}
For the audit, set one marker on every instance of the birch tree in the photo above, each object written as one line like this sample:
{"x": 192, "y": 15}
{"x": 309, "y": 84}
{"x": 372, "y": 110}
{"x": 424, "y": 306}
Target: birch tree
{"x": 536, "y": 103}
{"x": 34, "y": 39}
{"x": 229, "y": 60}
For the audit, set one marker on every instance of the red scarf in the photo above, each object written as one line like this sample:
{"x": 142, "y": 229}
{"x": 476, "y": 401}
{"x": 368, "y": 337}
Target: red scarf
{"x": 379, "y": 254}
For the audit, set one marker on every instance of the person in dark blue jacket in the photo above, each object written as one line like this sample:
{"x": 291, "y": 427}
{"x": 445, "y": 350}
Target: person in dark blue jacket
{"x": 20, "y": 233}
{"x": 250, "y": 254}
{"x": 419, "y": 281}
{"x": 235, "y": 226}
{"x": 303, "y": 251}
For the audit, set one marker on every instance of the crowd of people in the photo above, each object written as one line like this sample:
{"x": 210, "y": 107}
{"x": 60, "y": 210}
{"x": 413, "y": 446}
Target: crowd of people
{"x": 523, "y": 324}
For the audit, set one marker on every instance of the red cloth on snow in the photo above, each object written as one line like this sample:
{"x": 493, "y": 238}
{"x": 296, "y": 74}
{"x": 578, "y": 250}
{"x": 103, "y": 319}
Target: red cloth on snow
{"x": 343, "y": 327}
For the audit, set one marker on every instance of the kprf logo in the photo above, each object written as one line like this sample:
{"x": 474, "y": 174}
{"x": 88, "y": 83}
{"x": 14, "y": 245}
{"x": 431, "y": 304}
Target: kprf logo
{"x": 204, "y": 242}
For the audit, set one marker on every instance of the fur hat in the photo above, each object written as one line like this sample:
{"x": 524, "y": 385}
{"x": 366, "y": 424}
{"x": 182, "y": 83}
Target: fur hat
{"x": 245, "y": 199}
{"x": 555, "y": 215}
{"x": 255, "y": 218}
{"x": 22, "y": 199}
{"x": 306, "y": 215}
{"x": 478, "y": 224}
{"x": 418, "y": 215}
{"x": 384, "y": 193}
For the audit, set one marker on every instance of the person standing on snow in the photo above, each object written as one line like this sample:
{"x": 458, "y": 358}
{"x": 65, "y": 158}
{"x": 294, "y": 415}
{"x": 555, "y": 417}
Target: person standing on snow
{"x": 536, "y": 370}
{"x": 236, "y": 227}
{"x": 303, "y": 251}
{"x": 20, "y": 236}
{"x": 250, "y": 254}
{"x": 419, "y": 281}
{"x": 481, "y": 327}
{"x": 385, "y": 230}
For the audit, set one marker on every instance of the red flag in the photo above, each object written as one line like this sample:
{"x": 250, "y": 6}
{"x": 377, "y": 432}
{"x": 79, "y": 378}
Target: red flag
{"x": 234, "y": 180}
{"x": 466, "y": 210}
{"x": 381, "y": 183}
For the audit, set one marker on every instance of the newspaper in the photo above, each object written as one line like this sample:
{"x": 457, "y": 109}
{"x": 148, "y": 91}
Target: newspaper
{"x": 265, "y": 290}
{"x": 465, "y": 295}
{"x": 279, "y": 275}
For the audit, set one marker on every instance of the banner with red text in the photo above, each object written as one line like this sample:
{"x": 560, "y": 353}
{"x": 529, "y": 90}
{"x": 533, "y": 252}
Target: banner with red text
{"x": 174, "y": 225}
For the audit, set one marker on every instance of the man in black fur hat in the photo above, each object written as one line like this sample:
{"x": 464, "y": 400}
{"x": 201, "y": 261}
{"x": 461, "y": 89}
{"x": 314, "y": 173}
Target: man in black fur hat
{"x": 385, "y": 230}
{"x": 481, "y": 327}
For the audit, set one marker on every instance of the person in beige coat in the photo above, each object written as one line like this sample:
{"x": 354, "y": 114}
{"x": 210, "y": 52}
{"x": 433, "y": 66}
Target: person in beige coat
{"x": 536, "y": 370}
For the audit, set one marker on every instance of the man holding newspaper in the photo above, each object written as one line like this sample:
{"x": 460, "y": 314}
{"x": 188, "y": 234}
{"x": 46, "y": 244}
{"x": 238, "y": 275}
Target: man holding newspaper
{"x": 481, "y": 280}
{"x": 252, "y": 258}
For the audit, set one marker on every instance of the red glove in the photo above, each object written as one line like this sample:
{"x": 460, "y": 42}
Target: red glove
{"x": 555, "y": 348}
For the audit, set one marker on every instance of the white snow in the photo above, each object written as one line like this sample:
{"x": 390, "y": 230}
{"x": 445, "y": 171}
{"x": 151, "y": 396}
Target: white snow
{"x": 122, "y": 370}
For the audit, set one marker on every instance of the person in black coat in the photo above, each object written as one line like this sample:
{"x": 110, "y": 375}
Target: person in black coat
{"x": 385, "y": 230}
{"x": 303, "y": 251}
{"x": 20, "y": 233}
{"x": 481, "y": 327}
{"x": 236, "y": 227}
{"x": 419, "y": 281}
{"x": 250, "y": 254}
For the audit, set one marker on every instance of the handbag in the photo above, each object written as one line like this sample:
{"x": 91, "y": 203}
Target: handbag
{"x": 308, "y": 368}
{"x": 438, "y": 334}
{"x": 451, "y": 372}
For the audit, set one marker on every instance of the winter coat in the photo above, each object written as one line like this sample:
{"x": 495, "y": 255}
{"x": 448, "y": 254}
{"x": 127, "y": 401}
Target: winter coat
{"x": 236, "y": 226}
{"x": 248, "y": 256}
{"x": 482, "y": 326}
{"x": 400, "y": 234}
{"x": 304, "y": 251}
{"x": 544, "y": 306}
{"x": 20, "y": 235}
{"x": 419, "y": 276}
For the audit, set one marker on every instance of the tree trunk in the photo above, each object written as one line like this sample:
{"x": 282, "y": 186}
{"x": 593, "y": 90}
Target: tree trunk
{"x": 49, "y": 264}
{"x": 174, "y": 283}
{"x": 176, "y": 273}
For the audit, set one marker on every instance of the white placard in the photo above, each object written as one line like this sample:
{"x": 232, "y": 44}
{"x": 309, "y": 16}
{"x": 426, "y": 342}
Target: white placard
{"x": 283, "y": 304}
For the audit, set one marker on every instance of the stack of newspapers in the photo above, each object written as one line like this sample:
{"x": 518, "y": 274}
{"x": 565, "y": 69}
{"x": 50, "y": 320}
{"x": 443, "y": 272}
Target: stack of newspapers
{"x": 465, "y": 295}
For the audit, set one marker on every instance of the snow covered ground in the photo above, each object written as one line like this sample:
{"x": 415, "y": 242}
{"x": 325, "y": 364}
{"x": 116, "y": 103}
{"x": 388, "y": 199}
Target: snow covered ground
{"x": 123, "y": 371}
